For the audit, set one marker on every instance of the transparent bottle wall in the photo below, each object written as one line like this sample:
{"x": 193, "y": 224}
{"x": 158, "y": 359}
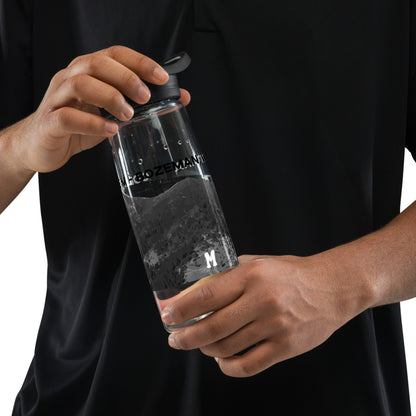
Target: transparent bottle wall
{"x": 171, "y": 200}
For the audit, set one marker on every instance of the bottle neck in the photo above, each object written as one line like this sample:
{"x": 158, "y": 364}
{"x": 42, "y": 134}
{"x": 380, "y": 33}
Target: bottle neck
{"x": 159, "y": 107}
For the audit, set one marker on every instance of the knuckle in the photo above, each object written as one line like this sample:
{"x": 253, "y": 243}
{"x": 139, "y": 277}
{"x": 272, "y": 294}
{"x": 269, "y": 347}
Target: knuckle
{"x": 244, "y": 258}
{"x": 76, "y": 60}
{"x": 91, "y": 124}
{"x": 81, "y": 60}
{"x": 183, "y": 343}
{"x": 218, "y": 349}
{"x": 76, "y": 82}
{"x": 271, "y": 300}
{"x": 132, "y": 79}
{"x": 142, "y": 58}
{"x": 282, "y": 325}
{"x": 246, "y": 368}
{"x": 212, "y": 330}
{"x": 62, "y": 116}
{"x": 278, "y": 321}
{"x": 206, "y": 293}
{"x": 207, "y": 351}
{"x": 116, "y": 100}
{"x": 145, "y": 63}
{"x": 89, "y": 63}
{"x": 114, "y": 50}
{"x": 93, "y": 63}
{"x": 178, "y": 315}
{"x": 59, "y": 77}
{"x": 256, "y": 267}
{"x": 223, "y": 350}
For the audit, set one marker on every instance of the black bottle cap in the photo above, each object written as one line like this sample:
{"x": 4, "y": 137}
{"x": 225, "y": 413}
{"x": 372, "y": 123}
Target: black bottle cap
{"x": 172, "y": 66}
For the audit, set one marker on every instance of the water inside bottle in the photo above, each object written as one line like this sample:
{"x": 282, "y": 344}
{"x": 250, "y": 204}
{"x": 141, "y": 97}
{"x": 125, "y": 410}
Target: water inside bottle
{"x": 182, "y": 236}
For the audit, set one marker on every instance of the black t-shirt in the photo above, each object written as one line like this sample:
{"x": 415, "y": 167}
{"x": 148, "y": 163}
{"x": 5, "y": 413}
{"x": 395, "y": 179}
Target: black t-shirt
{"x": 303, "y": 110}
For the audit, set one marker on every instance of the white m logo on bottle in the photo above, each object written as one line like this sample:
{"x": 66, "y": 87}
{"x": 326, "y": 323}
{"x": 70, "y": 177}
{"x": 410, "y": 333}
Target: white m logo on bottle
{"x": 210, "y": 258}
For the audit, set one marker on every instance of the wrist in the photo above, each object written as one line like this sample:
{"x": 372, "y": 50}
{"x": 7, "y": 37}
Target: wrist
{"x": 13, "y": 173}
{"x": 352, "y": 278}
{"x": 12, "y": 150}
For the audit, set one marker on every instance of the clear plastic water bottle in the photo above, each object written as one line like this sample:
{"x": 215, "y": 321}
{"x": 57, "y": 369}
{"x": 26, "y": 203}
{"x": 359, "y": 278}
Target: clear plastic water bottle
{"x": 169, "y": 194}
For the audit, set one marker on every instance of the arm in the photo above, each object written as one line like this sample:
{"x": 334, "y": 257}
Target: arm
{"x": 13, "y": 176}
{"x": 286, "y": 305}
{"x": 68, "y": 121}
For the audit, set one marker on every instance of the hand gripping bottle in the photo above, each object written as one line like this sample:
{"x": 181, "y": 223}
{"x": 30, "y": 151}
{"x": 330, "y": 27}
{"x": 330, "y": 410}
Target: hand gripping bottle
{"x": 169, "y": 194}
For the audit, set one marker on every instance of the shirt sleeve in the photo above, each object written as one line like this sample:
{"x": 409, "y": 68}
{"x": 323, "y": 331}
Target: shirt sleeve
{"x": 411, "y": 120}
{"x": 411, "y": 106}
{"x": 16, "y": 78}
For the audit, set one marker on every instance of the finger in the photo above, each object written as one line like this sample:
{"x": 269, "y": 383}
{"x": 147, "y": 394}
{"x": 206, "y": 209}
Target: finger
{"x": 80, "y": 142}
{"x": 112, "y": 72}
{"x": 237, "y": 342}
{"x": 215, "y": 327}
{"x": 246, "y": 258}
{"x": 68, "y": 120}
{"x": 141, "y": 64}
{"x": 254, "y": 361}
{"x": 83, "y": 88}
{"x": 207, "y": 297}
{"x": 185, "y": 97}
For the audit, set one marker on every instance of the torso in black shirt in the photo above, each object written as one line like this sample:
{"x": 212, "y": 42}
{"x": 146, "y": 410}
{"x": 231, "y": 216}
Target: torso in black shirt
{"x": 303, "y": 110}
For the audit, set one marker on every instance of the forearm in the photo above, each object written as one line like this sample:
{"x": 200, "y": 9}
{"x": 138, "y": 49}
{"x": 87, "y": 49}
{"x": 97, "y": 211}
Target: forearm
{"x": 67, "y": 120}
{"x": 283, "y": 306}
{"x": 381, "y": 265}
{"x": 13, "y": 175}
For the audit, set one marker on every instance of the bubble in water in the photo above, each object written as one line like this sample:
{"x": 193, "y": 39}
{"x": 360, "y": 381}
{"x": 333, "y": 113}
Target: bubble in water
{"x": 165, "y": 146}
{"x": 140, "y": 161}
{"x": 179, "y": 142}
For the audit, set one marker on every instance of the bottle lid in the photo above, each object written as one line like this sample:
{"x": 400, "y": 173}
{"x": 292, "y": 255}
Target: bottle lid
{"x": 174, "y": 65}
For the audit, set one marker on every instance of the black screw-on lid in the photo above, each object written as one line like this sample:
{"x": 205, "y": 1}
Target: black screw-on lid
{"x": 172, "y": 66}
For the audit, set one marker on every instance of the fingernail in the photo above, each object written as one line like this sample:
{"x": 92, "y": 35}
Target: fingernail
{"x": 143, "y": 94}
{"x": 166, "y": 316}
{"x": 160, "y": 74}
{"x": 128, "y": 111}
{"x": 216, "y": 359}
{"x": 111, "y": 128}
{"x": 172, "y": 341}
